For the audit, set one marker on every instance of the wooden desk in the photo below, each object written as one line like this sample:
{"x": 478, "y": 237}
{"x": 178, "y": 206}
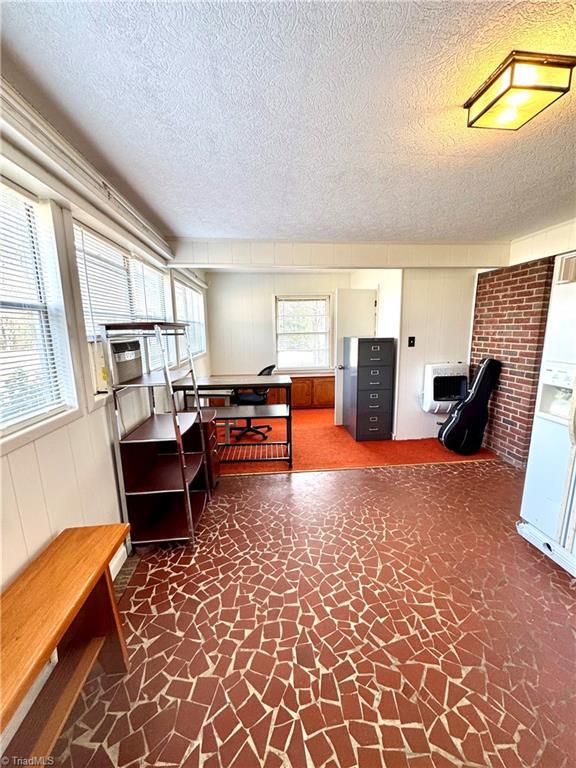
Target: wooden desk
{"x": 218, "y": 383}
{"x": 63, "y": 600}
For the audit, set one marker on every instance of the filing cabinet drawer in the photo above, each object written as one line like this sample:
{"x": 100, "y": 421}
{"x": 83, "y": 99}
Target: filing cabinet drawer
{"x": 375, "y": 377}
{"x": 375, "y": 402}
{"x": 375, "y": 431}
{"x": 366, "y": 420}
{"x": 375, "y": 352}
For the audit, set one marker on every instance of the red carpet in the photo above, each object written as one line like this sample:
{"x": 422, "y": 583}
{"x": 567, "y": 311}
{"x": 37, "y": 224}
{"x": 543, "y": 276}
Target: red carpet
{"x": 319, "y": 444}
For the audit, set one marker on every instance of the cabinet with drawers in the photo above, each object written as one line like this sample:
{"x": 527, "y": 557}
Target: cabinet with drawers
{"x": 211, "y": 445}
{"x": 368, "y": 404}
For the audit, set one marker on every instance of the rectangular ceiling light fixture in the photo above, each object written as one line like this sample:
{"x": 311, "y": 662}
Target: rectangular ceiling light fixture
{"x": 522, "y": 86}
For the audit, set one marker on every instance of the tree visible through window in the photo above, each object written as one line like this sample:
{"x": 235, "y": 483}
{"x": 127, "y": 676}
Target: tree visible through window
{"x": 190, "y": 309}
{"x": 302, "y": 332}
{"x": 35, "y": 372}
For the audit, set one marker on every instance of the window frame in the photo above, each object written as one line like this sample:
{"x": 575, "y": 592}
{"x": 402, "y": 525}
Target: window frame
{"x": 136, "y": 270}
{"x": 330, "y": 333}
{"x": 189, "y": 287}
{"x": 51, "y": 310}
{"x": 165, "y": 291}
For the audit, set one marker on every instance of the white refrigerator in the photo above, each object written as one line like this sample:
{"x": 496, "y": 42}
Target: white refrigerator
{"x": 548, "y": 513}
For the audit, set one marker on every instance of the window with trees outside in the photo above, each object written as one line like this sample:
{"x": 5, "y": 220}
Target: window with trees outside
{"x": 190, "y": 309}
{"x": 302, "y": 332}
{"x": 36, "y": 379}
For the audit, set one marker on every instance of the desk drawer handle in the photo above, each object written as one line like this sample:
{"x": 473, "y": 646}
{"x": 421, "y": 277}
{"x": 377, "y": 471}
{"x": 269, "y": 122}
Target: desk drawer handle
{"x": 374, "y": 383}
{"x": 373, "y": 406}
{"x": 375, "y": 359}
{"x": 372, "y": 429}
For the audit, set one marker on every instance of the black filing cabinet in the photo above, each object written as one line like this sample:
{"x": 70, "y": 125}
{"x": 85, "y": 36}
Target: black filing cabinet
{"x": 369, "y": 387}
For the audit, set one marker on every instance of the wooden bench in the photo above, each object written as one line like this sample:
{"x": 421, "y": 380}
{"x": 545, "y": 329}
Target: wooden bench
{"x": 64, "y": 600}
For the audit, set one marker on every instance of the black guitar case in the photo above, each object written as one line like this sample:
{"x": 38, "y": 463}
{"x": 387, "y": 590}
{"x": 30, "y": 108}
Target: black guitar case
{"x": 463, "y": 430}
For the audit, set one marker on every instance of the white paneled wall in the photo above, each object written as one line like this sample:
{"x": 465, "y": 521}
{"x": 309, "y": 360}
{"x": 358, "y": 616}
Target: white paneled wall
{"x": 545, "y": 242}
{"x": 64, "y": 478}
{"x": 238, "y": 254}
{"x": 437, "y": 308}
{"x": 241, "y": 314}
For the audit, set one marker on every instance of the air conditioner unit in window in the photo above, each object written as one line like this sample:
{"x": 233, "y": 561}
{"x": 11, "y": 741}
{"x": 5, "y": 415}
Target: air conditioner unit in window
{"x": 127, "y": 360}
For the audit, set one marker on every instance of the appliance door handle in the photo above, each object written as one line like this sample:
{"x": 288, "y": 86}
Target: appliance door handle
{"x": 572, "y": 415}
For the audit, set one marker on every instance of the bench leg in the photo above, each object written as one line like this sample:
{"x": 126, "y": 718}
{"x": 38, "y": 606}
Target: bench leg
{"x": 99, "y": 617}
{"x": 114, "y": 654}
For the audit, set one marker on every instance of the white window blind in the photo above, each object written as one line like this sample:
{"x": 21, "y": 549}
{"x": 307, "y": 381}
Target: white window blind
{"x": 151, "y": 291}
{"x": 190, "y": 309}
{"x": 302, "y": 332}
{"x": 118, "y": 287}
{"x": 104, "y": 272}
{"x": 36, "y": 378}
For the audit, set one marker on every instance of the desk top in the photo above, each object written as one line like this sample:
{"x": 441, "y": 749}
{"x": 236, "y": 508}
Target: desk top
{"x": 252, "y": 412}
{"x": 236, "y": 382}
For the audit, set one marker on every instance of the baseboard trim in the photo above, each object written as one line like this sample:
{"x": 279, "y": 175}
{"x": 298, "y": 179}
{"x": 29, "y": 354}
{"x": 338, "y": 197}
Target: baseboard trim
{"x": 374, "y": 466}
{"x": 118, "y": 561}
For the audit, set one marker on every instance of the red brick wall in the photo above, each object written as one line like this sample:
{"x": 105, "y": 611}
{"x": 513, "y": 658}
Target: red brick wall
{"x": 509, "y": 324}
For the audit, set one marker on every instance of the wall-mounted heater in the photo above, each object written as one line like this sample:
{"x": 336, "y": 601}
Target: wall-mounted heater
{"x": 444, "y": 384}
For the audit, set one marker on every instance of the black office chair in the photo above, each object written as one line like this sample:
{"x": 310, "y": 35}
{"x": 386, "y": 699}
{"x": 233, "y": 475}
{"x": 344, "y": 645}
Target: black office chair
{"x": 252, "y": 397}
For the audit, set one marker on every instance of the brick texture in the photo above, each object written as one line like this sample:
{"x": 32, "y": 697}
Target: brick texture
{"x": 509, "y": 324}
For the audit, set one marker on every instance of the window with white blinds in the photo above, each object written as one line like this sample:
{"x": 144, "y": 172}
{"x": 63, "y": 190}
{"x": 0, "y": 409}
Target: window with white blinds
{"x": 152, "y": 301}
{"x": 36, "y": 379}
{"x": 104, "y": 274}
{"x": 117, "y": 286}
{"x": 190, "y": 309}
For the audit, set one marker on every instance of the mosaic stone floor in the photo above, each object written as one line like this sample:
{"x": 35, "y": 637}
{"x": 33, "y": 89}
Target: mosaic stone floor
{"x": 380, "y": 617}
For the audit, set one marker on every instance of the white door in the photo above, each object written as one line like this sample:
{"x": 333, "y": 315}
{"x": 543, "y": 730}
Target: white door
{"x": 355, "y": 316}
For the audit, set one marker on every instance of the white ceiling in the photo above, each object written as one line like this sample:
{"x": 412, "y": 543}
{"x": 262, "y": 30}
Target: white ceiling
{"x": 303, "y": 121}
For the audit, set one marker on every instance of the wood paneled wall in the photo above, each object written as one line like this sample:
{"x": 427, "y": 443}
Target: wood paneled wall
{"x": 65, "y": 478}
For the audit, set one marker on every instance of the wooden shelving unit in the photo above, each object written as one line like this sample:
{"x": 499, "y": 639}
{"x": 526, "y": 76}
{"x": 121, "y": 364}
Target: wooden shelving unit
{"x": 162, "y": 462}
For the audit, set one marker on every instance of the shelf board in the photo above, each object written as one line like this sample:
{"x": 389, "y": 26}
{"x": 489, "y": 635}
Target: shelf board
{"x": 159, "y": 427}
{"x": 167, "y": 522}
{"x": 48, "y": 715}
{"x": 163, "y": 518}
{"x": 145, "y": 326}
{"x": 153, "y": 379}
{"x": 252, "y": 412}
{"x": 164, "y": 475}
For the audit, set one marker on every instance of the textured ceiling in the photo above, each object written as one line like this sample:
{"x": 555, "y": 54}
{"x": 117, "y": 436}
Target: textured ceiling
{"x": 304, "y": 121}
